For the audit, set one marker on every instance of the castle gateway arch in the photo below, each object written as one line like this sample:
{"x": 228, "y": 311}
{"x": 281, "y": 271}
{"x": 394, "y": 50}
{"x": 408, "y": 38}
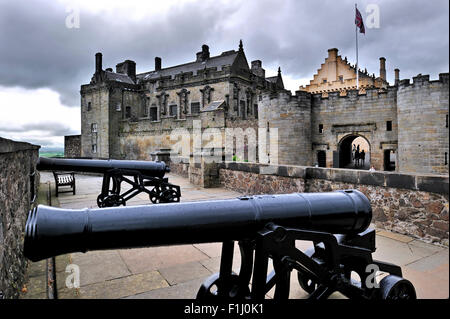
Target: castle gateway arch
{"x": 353, "y": 152}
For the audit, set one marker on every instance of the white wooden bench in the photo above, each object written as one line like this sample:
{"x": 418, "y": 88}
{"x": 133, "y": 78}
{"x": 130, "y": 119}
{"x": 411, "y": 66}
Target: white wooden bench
{"x": 64, "y": 179}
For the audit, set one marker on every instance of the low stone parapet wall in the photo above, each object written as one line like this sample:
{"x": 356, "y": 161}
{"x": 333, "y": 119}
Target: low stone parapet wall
{"x": 415, "y": 205}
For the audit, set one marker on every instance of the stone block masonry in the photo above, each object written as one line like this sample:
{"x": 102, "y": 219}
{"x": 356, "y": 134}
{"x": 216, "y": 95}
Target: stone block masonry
{"x": 410, "y": 204}
{"x": 18, "y": 186}
{"x": 72, "y": 146}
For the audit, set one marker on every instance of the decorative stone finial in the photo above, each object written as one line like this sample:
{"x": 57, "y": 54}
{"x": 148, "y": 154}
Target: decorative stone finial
{"x": 279, "y": 71}
{"x": 241, "y": 47}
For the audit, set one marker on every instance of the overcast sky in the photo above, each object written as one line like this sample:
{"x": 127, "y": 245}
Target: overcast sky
{"x": 47, "y": 53}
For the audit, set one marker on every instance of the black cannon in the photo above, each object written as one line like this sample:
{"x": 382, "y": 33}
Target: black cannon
{"x": 138, "y": 174}
{"x": 266, "y": 227}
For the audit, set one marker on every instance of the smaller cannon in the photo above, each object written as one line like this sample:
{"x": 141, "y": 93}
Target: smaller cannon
{"x": 141, "y": 175}
{"x": 266, "y": 227}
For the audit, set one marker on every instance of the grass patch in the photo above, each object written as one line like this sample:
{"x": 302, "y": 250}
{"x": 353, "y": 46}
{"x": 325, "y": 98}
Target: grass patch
{"x": 51, "y": 154}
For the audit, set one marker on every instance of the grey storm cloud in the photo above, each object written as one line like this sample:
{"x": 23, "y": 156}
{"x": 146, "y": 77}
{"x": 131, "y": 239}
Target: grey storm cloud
{"x": 47, "y": 128}
{"x": 39, "y": 51}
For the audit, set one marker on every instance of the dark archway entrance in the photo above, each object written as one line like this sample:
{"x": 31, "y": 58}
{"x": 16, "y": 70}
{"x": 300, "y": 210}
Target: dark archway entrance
{"x": 349, "y": 158}
{"x": 322, "y": 159}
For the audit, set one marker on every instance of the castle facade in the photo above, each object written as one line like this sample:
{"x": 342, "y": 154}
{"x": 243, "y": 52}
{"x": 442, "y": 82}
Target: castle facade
{"x": 125, "y": 115}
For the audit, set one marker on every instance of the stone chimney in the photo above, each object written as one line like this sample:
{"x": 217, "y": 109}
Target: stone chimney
{"x": 127, "y": 67}
{"x": 157, "y": 63}
{"x": 98, "y": 62}
{"x": 257, "y": 69}
{"x": 204, "y": 54}
{"x": 332, "y": 65}
{"x": 332, "y": 54}
{"x": 397, "y": 76}
{"x": 383, "y": 68}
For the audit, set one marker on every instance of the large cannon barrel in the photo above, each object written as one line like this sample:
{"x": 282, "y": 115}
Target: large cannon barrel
{"x": 154, "y": 169}
{"x": 53, "y": 231}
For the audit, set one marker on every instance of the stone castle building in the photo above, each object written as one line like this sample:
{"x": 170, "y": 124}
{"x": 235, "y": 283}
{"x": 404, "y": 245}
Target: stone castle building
{"x": 129, "y": 115}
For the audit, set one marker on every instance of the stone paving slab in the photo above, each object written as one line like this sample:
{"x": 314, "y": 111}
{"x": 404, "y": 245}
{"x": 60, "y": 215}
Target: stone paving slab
{"x": 36, "y": 288}
{"x": 97, "y": 267}
{"x": 178, "y": 271}
{"x": 399, "y": 253}
{"x": 184, "y": 272}
{"x": 117, "y": 288}
{"x": 186, "y": 290}
{"x": 145, "y": 259}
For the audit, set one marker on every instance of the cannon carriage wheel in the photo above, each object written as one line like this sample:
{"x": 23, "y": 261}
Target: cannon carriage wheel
{"x": 112, "y": 200}
{"x": 164, "y": 194}
{"x": 396, "y": 288}
{"x": 209, "y": 290}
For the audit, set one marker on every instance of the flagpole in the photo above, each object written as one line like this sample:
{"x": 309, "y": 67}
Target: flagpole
{"x": 357, "y": 71}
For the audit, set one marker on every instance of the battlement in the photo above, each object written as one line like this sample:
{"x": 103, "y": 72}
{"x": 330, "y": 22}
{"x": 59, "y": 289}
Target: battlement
{"x": 421, "y": 80}
{"x": 286, "y": 96}
{"x": 362, "y": 94}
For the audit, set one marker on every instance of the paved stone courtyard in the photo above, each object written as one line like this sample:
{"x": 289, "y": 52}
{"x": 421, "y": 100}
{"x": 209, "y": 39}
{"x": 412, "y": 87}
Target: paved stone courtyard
{"x": 177, "y": 271}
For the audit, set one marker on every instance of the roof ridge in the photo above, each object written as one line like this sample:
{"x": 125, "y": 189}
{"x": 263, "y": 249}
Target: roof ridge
{"x": 192, "y": 62}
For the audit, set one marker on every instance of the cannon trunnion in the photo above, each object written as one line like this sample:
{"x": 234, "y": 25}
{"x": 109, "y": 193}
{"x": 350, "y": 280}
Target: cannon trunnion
{"x": 142, "y": 176}
{"x": 266, "y": 227}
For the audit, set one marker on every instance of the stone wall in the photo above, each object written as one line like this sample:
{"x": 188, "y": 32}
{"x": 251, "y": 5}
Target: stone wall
{"x": 17, "y": 191}
{"x": 285, "y": 120}
{"x": 72, "y": 146}
{"x": 180, "y": 168}
{"x": 423, "y": 125}
{"x": 415, "y": 205}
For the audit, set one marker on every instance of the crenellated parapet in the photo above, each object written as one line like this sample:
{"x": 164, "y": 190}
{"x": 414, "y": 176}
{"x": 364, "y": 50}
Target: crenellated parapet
{"x": 423, "y": 80}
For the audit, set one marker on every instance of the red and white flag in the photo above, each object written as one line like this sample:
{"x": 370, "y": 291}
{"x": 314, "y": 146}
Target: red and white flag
{"x": 359, "y": 22}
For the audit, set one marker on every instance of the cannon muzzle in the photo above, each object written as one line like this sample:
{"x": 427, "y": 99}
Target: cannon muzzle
{"x": 53, "y": 231}
{"x": 155, "y": 169}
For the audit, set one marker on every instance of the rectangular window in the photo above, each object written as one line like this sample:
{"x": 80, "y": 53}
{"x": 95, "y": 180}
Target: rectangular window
{"x": 89, "y": 106}
{"x": 153, "y": 113}
{"x": 324, "y": 80}
{"x": 389, "y": 126}
{"x": 94, "y": 148}
{"x": 94, "y": 128}
{"x": 446, "y": 121}
{"x": 173, "y": 110}
{"x": 242, "y": 109}
{"x": 127, "y": 112}
{"x": 320, "y": 128}
{"x": 255, "y": 110}
{"x": 118, "y": 106}
{"x": 341, "y": 78}
{"x": 195, "y": 107}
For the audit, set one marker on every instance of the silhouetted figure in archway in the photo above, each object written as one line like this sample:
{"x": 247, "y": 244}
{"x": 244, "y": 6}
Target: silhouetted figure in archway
{"x": 353, "y": 152}
{"x": 363, "y": 157}
{"x": 357, "y": 156}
